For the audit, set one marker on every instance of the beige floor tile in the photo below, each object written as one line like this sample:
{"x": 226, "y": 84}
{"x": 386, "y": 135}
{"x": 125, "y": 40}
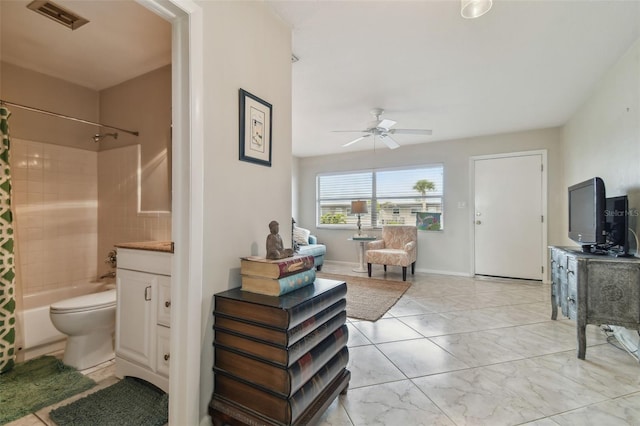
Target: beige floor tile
{"x": 469, "y": 351}
{"x": 369, "y": 366}
{"x": 421, "y": 357}
{"x": 386, "y": 330}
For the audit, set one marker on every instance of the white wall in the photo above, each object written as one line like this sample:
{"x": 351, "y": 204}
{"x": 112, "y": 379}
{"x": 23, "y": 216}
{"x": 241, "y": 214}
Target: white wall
{"x": 603, "y": 136}
{"x": 444, "y": 251}
{"x": 245, "y": 46}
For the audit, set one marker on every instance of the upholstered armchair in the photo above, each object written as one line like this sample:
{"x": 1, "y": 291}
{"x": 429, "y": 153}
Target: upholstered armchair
{"x": 398, "y": 247}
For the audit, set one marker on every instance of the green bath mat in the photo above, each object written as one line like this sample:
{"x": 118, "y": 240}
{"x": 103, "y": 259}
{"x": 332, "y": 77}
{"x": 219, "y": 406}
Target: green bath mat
{"x": 38, "y": 383}
{"x": 129, "y": 402}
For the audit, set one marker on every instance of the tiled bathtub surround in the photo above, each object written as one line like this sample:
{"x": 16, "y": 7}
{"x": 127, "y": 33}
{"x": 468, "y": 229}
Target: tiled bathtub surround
{"x": 71, "y": 206}
{"x": 55, "y": 200}
{"x": 119, "y": 219}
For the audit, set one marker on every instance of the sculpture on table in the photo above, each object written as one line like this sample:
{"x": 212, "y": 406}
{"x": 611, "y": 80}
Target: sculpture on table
{"x": 275, "y": 247}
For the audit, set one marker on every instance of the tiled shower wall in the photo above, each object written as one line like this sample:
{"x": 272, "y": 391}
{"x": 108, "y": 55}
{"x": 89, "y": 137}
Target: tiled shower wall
{"x": 70, "y": 207}
{"x": 55, "y": 204}
{"x": 119, "y": 218}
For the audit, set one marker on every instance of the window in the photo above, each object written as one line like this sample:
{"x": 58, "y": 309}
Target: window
{"x": 400, "y": 196}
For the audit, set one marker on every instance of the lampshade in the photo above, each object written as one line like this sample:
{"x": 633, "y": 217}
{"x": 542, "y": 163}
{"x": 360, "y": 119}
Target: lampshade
{"x": 359, "y": 207}
{"x": 475, "y": 8}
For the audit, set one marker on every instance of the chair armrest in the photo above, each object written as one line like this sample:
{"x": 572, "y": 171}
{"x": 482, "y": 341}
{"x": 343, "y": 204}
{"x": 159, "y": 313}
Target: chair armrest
{"x": 410, "y": 246}
{"x": 375, "y": 245}
{"x": 313, "y": 239}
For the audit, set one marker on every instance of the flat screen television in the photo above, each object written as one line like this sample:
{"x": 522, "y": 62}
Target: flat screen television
{"x": 616, "y": 215}
{"x": 587, "y": 214}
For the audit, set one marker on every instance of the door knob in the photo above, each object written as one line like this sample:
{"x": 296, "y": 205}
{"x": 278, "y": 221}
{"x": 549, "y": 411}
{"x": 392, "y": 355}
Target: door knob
{"x": 478, "y": 222}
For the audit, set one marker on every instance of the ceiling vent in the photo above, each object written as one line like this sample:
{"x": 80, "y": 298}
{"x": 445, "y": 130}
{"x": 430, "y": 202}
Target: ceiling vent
{"x": 57, "y": 13}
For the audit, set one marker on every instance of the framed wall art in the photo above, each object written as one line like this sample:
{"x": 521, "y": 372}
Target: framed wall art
{"x": 255, "y": 129}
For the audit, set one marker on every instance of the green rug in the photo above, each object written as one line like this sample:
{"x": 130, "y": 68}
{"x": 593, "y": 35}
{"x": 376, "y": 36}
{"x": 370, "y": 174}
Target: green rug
{"x": 129, "y": 402}
{"x": 36, "y": 384}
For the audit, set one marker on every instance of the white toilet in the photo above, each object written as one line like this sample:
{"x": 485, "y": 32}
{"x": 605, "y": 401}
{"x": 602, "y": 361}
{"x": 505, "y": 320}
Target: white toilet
{"x": 89, "y": 322}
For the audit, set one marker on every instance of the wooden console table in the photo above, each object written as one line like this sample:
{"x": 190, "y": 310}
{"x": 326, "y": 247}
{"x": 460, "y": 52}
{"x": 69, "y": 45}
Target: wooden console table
{"x": 594, "y": 289}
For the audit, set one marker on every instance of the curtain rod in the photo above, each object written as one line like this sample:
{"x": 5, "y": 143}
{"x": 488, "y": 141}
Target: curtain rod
{"x": 55, "y": 114}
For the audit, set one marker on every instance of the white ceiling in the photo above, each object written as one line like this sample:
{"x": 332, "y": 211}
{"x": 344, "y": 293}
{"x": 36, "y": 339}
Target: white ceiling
{"x": 523, "y": 65}
{"x": 121, "y": 41}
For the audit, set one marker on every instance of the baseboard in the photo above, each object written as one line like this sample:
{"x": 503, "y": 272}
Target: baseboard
{"x": 440, "y": 272}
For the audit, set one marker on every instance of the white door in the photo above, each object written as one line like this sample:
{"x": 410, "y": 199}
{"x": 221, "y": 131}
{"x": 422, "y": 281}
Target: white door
{"x": 508, "y": 228}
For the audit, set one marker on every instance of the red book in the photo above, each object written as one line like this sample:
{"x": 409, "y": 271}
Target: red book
{"x": 275, "y": 268}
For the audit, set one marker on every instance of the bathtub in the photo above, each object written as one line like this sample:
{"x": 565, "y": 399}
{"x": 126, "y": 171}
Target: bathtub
{"x": 40, "y": 336}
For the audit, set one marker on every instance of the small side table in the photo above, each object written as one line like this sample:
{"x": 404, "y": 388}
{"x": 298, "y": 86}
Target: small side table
{"x": 362, "y": 240}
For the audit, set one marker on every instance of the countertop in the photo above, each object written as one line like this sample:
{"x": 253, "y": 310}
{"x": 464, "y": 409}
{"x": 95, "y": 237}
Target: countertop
{"x": 164, "y": 246}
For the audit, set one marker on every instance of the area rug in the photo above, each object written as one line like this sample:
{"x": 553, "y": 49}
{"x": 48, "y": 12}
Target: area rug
{"x": 369, "y": 298}
{"x": 131, "y": 401}
{"x": 36, "y": 384}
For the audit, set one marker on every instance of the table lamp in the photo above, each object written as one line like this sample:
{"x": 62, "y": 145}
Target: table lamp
{"x": 359, "y": 207}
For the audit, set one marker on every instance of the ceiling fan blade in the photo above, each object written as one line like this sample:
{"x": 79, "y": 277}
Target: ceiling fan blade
{"x": 386, "y": 124}
{"x": 410, "y": 131}
{"x": 389, "y": 142}
{"x": 349, "y": 131}
{"x": 356, "y": 140}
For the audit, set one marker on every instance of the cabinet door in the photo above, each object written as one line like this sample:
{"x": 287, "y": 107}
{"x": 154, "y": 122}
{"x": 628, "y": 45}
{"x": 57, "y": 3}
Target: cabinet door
{"x": 136, "y": 317}
{"x": 164, "y": 345}
{"x": 164, "y": 300}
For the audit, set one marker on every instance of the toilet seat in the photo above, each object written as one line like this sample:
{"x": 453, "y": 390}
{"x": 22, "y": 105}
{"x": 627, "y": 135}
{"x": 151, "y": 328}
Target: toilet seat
{"x": 88, "y": 302}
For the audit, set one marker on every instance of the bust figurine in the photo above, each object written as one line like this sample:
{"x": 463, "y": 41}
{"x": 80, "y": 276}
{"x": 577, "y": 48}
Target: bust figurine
{"x": 275, "y": 247}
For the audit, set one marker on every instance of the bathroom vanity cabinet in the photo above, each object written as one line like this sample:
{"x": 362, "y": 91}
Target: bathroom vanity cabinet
{"x": 143, "y": 314}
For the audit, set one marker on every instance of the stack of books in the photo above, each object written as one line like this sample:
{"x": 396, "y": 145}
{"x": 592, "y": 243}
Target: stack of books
{"x": 279, "y": 360}
{"x": 276, "y": 277}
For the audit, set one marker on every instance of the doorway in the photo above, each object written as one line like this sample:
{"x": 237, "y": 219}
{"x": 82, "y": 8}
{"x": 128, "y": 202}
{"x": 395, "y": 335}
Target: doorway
{"x": 509, "y": 215}
{"x": 186, "y": 18}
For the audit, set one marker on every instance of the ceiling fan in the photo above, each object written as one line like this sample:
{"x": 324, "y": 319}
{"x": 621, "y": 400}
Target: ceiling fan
{"x": 383, "y": 129}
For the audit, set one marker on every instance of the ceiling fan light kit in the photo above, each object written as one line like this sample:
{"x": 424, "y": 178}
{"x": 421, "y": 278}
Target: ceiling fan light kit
{"x": 382, "y": 129}
{"x": 470, "y": 9}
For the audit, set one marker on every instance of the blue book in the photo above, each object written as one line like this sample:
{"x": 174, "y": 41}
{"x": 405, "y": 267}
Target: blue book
{"x": 278, "y": 286}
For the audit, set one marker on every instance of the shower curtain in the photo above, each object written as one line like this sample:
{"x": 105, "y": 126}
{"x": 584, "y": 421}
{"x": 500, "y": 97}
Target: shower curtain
{"x": 7, "y": 266}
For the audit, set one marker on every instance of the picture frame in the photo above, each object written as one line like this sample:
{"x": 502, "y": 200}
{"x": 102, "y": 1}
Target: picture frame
{"x": 428, "y": 221}
{"x": 255, "y": 129}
